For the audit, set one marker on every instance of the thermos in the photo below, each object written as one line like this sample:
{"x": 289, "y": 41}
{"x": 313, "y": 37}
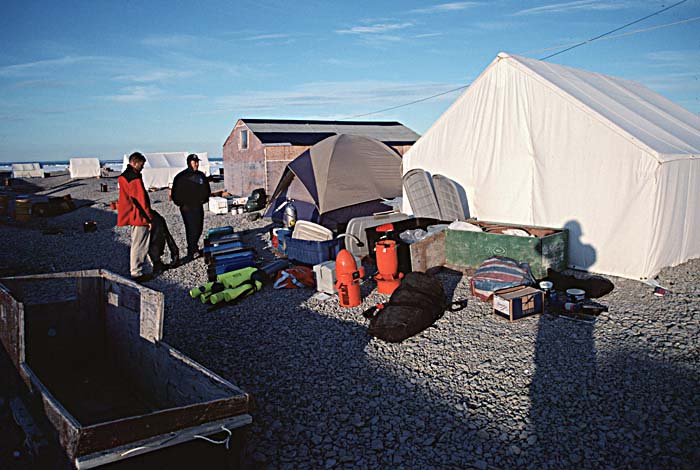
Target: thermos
{"x": 290, "y": 215}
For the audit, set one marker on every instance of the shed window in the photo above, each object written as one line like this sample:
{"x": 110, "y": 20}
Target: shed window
{"x": 244, "y": 139}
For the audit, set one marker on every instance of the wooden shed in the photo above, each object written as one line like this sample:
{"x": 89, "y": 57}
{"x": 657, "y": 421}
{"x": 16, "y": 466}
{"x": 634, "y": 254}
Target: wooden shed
{"x": 257, "y": 150}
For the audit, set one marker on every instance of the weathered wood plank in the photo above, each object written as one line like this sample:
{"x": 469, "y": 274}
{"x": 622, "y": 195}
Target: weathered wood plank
{"x": 63, "y": 275}
{"x": 151, "y": 319}
{"x": 12, "y": 326}
{"x": 158, "y": 370}
{"x": 63, "y": 422}
{"x": 90, "y": 311}
{"x": 428, "y": 253}
{"x": 50, "y": 333}
{"x": 103, "y": 436}
{"x": 160, "y": 442}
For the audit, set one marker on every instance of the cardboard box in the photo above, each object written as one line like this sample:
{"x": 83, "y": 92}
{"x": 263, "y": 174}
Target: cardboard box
{"x": 518, "y": 302}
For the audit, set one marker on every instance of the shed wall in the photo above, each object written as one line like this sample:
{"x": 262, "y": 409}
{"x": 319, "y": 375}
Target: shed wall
{"x": 244, "y": 169}
{"x": 276, "y": 159}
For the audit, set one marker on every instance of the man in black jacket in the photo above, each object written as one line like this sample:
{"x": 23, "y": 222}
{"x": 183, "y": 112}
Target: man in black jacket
{"x": 190, "y": 191}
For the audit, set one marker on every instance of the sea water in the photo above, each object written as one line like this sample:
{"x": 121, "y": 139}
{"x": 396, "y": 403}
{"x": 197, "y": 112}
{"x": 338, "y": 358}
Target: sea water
{"x": 115, "y": 165}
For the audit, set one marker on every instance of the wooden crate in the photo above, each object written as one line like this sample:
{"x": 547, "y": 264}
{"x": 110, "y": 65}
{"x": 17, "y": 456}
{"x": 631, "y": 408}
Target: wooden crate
{"x": 428, "y": 253}
{"x": 88, "y": 344}
{"x": 549, "y": 249}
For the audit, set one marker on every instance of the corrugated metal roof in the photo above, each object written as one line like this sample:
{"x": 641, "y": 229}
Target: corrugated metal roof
{"x": 310, "y": 132}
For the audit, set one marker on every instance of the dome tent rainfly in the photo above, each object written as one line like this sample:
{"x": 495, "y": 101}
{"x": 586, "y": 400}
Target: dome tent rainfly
{"x": 84, "y": 167}
{"x": 542, "y": 144}
{"x": 161, "y": 168}
{"x": 341, "y": 177}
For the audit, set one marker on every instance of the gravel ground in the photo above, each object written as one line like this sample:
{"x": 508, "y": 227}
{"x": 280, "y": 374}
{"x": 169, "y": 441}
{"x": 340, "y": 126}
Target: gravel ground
{"x": 472, "y": 392}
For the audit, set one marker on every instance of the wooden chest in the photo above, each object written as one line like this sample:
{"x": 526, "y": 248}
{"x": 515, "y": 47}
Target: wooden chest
{"x": 88, "y": 344}
{"x": 548, "y": 248}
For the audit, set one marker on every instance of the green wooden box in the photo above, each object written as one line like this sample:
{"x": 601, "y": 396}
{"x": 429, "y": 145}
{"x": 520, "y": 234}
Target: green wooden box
{"x": 548, "y": 249}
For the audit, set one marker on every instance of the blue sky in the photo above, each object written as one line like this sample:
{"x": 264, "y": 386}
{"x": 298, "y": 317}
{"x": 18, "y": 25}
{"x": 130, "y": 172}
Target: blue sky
{"x": 104, "y": 78}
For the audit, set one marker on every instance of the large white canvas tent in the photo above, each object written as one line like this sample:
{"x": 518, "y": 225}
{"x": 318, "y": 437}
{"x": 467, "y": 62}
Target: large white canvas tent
{"x": 161, "y": 168}
{"x": 84, "y": 167}
{"x": 27, "y": 170}
{"x": 536, "y": 143}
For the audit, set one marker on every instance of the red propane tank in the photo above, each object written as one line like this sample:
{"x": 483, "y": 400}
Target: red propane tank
{"x": 348, "y": 277}
{"x": 388, "y": 278}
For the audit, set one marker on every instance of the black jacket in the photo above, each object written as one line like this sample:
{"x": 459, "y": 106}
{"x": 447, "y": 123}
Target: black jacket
{"x": 190, "y": 188}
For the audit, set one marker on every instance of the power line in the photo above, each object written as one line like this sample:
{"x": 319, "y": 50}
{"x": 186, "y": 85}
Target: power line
{"x": 597, "y": 38}
{"x": 614, "y": 30}
{"x": 616, "y": 36}
{"x": 405, "y": 104}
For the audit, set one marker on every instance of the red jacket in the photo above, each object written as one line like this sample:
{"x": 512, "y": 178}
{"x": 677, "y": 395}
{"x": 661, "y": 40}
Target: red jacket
{"x": 134, "y": 206}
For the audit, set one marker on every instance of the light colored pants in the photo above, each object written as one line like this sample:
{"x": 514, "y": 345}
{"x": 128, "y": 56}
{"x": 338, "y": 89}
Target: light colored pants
{"x": 140, "y": 236}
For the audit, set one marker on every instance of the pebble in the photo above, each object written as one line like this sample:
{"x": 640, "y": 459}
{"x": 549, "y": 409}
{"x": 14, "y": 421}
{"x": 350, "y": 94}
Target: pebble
{"x": 449, "y": 395}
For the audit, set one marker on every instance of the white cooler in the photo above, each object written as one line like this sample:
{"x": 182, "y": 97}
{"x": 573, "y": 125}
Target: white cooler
{"x": 325, "y": 276}
{"x": 218, "y": 205}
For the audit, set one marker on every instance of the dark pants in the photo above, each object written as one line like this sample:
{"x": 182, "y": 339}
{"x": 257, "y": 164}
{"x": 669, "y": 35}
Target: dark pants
{"x": 193, "y": 216}
{"x": 160, "y": 235}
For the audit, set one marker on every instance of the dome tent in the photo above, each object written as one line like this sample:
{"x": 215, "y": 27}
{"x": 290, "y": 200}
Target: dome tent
{"x": 341, "y": 177}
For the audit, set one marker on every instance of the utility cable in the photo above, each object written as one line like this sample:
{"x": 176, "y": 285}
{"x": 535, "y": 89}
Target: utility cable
{"x": 604, "y": 36}
{"x": 405, "y": 104}
{"x": 614, "y": 30}
{"x": 616, "y": 36}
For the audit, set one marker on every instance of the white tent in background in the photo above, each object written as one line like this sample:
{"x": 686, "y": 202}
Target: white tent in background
{"x": 542, "y": 144}
{"x": 84, "y": 167}
{"x": 27, "y": 170}
{"x": 161, "y": 168}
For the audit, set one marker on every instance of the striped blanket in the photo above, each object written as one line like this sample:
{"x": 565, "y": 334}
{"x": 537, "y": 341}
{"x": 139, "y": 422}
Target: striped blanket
{"x": 499, "y": 273}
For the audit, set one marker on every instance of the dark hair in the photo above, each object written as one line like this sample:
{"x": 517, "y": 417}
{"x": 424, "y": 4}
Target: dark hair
{"x": 137, "y": 157}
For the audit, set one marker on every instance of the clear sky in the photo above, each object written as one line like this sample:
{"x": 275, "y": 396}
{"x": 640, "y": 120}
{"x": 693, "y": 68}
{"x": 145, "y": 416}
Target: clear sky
{"x": 103, "y": 78}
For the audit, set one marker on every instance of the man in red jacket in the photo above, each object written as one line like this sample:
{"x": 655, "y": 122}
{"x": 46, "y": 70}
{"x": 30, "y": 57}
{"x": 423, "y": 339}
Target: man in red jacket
{"x": 134, "y": 209}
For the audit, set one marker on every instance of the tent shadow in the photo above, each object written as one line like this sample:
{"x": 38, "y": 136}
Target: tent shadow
{"x": 596, "y": 409}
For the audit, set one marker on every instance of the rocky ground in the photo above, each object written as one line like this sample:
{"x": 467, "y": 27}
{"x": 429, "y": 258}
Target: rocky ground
{"x": 474, "y": 391}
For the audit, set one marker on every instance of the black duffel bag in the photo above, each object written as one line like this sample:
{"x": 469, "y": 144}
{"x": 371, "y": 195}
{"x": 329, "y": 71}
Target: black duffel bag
{"x": 414, "y": 306}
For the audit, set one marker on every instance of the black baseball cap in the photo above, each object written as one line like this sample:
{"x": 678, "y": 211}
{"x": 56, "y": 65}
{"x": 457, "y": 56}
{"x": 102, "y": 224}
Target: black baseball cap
{"x": 192, "y": 158}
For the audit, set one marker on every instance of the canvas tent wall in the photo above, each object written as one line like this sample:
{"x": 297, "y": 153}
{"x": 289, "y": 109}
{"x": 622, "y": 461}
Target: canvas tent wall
{"x": 341, "y": 177}
{"x": 542, "y": 144}
{"x": 84, "y": 167}
{"x": 27, "y": 170}
{"x": 161, "y": 168}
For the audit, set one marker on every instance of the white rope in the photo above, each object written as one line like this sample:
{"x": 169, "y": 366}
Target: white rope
{"x": 226, "y": 441}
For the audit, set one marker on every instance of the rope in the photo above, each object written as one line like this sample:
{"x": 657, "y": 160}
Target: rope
{"x": 226, "y": 441}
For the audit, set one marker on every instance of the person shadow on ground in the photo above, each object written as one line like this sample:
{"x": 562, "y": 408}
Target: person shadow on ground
{"x": 608, "y": 405}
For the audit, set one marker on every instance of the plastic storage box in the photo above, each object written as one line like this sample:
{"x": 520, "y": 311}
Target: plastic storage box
{"x": 310, "y": 252}
{"x": 282, "y": 236}
{"x": 358, "y": 225}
